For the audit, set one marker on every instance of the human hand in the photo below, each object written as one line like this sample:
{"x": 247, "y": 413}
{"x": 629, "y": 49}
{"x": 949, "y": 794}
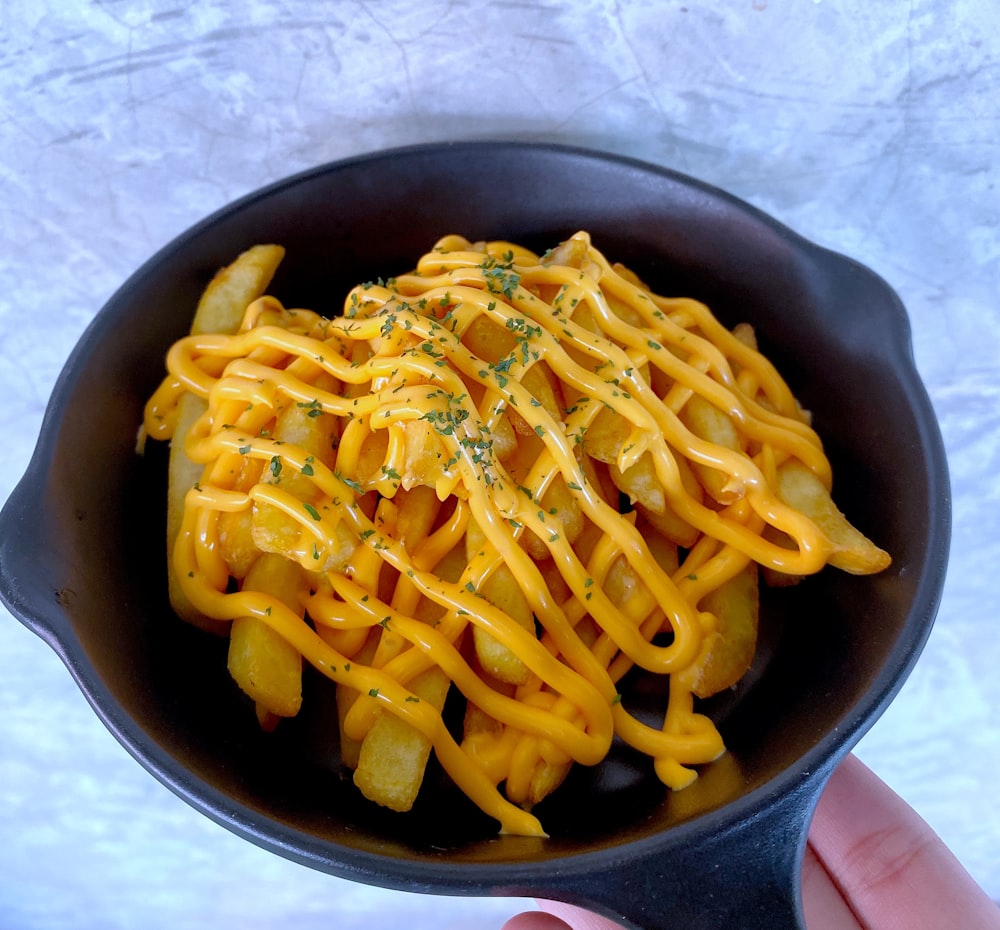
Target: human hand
{"x": 871, "y": 864}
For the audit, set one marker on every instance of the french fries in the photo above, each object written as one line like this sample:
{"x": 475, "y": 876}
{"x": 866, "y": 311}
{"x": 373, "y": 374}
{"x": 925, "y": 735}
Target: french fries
{"x": 729, "y": 649}
{"x": 264, "y": 664}
{"x": 606, "y": 435}
{"x": 234, "y": 288}
{"x": 711, "y": 424}
{"x": 335, "y": 467}
{"x": 501, "y": 589}
{"x": 182, "y": 475}
{"x": 350, "y": 747}
{"x": 390, "y": 760}
{"x": 393, "y": 754}
{"x": 220, "y": 310}
{"x": 853, "y": 551}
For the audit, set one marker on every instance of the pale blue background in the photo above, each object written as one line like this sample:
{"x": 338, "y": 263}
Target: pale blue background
{"x": 870, "y": 127}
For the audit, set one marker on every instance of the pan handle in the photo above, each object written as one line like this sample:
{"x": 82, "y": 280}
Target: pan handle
{"x": 744, "y": 876}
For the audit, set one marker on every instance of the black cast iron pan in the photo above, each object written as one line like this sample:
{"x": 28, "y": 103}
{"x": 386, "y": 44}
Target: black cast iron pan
{"x": 81, "y": 544}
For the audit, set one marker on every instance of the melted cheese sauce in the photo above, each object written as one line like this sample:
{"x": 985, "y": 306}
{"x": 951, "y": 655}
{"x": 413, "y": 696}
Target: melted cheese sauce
{"x": 400, "y": 355}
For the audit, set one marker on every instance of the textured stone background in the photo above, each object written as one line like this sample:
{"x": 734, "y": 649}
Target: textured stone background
{"x": 870, "y": 128}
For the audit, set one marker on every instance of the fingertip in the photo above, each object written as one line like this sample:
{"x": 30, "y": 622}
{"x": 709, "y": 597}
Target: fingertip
{"x": 535, "y": 920}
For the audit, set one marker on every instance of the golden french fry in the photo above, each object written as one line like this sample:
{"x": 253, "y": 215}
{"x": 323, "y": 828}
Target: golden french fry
{"x": 853, "y": 551}
{"x": 262, "y": 662}
{"x": 560, "y": 503}
{"x": 570, "y": 253}
{"x": 220, "y": 310}
{"x": 182, "y": 475}
{"x": 350, "y": 749}
{"x": 531, "y": 778}
{"x": 234, "y": 287}
{"x": 390, "y": 760}
{"x": 661, "y": 546}
{"x": 771, "y": 576}
{"x": 423, "y": 456}
{"x": 668, "y": 522}
{"x": 606, "y": 435}
{"x": 493, "y": 343}
{"x": 545, "y": 387}
{"x": 671, "y": 525}
{"x": 476, "y": 723}
{"x": 488, "y": 340}
{"x": 271, "y": 528}
{"x": 518, "y": 464}
{"x": 641, "y": 483}
{"x": 546, "y": 777}
{"x": 504, "y": 438}
{"x": 559, "y": 499}
{"x": 711, "y": 424}
{"x": 410, "y": 516}
{"x": 502, "y": 590}
{"x": 621, "y": 584}
{"x": 417, "y": 509}
{"x": 501, "y": 434}
{"x": 746, "y": 334}
{"x": 728, "y": 651}
{"x": 404, "y": 514}
{"x": 393, "y": 754}
{"x": 490, "y": 742}
{"x": 626, "y": 589}
{"x": 525, "y": 454}
{"x": 598, "y": 477}
{"x": 236, "y": 542}
{"x": 629, "y": 275}
{"x": 621, "y": 309}
{"x": 370, "y": 459}
{"x": 561, "y": 509}
{"x": 482, "y": 733}
{"x": 274, "y": 531}
{"x": 449, "y": 568}
{"x": 303, "y": 425}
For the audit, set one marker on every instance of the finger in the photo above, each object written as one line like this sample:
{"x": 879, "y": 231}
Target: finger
{"x": 577, "y": 917}
{"x": 824, "y": 906}
{"x": 893, "y": 870}
{"x": 535, "y": 920}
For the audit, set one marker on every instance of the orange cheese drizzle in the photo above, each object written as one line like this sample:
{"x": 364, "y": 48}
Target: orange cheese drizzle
{"x": 399, "y": 363}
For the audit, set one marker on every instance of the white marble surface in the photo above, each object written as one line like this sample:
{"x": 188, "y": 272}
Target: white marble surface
{"x": 871, "y": 128}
